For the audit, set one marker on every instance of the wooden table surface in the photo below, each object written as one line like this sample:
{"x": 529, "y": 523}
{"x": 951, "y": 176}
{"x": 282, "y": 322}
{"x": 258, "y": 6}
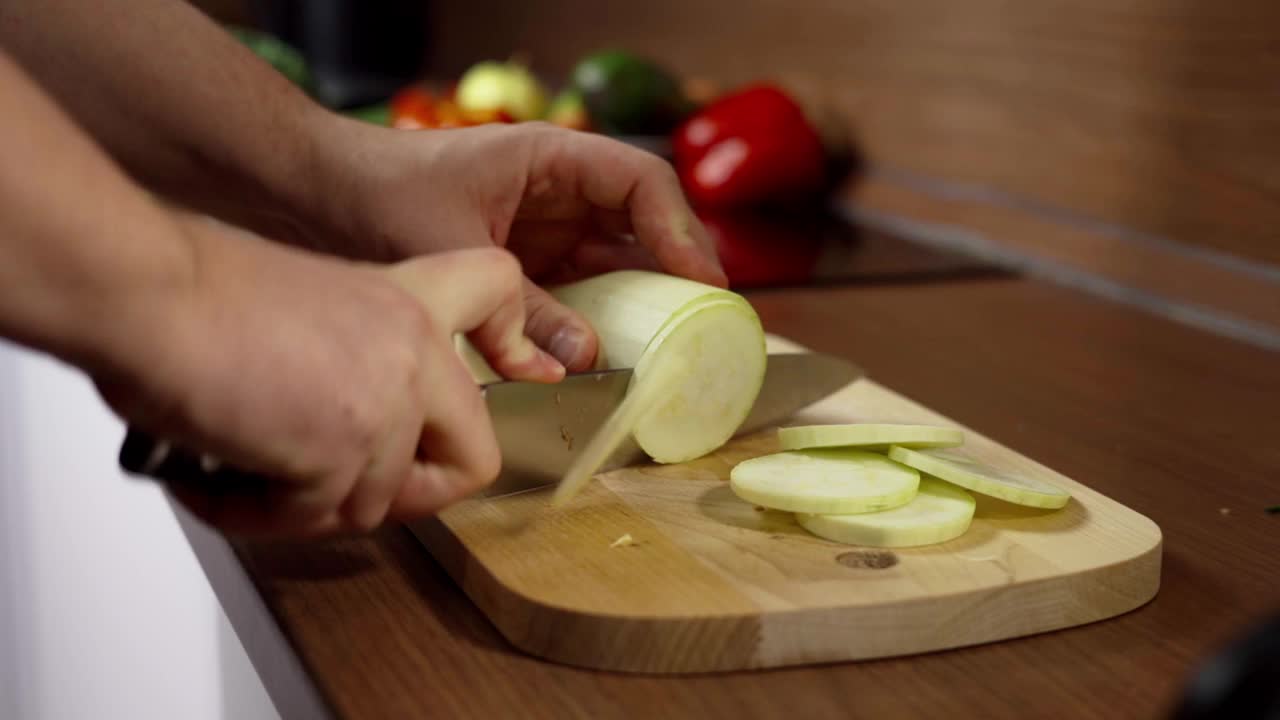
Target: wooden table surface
{"x": 1178, "y": 424}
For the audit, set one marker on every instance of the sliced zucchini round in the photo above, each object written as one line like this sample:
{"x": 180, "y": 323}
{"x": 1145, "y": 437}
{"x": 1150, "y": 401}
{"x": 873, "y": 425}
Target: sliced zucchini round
{"x": 939, "y": 512}
{"x": 876, "y": 435}
{"x": 960, "y": 470}
{"x": 838, "y": 481}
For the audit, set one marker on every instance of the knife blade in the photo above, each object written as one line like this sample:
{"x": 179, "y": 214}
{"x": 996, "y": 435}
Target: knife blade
{"x": 539, "y": 427}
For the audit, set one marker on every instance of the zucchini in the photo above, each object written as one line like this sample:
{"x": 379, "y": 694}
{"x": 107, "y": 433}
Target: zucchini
{"x": 699, "y": 359}
{"x": 868, "y": 435}
{"x": 962, "y": 471}
{"x": 833, "y": 481}
{"x": 938, "y": 513}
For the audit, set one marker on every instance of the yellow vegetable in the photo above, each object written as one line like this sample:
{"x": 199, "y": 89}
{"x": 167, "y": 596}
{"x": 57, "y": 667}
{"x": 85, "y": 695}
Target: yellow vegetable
{"x": 835, "y": 481}
{"x": 699, "y": 359}
{"x": 963, "y": 471}
{"x": 491, "y": 87}
{"x": 868, "y": 435}
{"x": 938, "y": 513}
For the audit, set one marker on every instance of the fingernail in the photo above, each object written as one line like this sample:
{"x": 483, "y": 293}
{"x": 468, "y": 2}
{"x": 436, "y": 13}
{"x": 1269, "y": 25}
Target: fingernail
{"x": 555, "y": 368}
{"x": 722, "y": 276}
{"x": 567, "y": 344}
{"x": 715, "y": 270}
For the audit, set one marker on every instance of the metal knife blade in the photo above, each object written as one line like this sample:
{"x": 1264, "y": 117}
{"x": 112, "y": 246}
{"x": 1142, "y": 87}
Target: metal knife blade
{"x": 539, "y": 427}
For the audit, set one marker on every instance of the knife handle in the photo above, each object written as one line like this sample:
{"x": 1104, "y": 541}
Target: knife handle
{"x": 142, "y": 454}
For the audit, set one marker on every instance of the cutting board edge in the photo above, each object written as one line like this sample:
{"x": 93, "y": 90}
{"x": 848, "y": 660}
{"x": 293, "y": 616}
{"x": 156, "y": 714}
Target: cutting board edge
{"x": 735, "y": 642}
{"x": 1148, "y": 564}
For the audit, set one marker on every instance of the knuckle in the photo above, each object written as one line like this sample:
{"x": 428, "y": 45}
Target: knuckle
{"x": 487, "y": 467}
{"x": 420, "y": 324}
{"x": 362, "y": 516}
{"x": 502, "y": 266}
{"x": 306, "y": 523}
{"x": 354, "y": 500}
{"x": 402, "y": 357}
{"x": 407, "y": 321}
{"x": 487, "y": 461}
{"x": 478, "y": 474}
{"x": 660, "y": 169}
{"x": 361, "y": 418}
{"x": 541, "y": 314}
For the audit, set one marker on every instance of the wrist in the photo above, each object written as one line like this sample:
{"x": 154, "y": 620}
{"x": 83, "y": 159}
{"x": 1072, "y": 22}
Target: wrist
{"x": 356, "y": 178}
{"x": 132, "y": 344}
{"x": 284, "y": 196}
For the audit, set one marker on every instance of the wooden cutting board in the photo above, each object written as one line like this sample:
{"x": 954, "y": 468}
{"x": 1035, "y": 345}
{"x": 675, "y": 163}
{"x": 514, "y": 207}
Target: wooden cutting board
{"x": 710, "y": 583}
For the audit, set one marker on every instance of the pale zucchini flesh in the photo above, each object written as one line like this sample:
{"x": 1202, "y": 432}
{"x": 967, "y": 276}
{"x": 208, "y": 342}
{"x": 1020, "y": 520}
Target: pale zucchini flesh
{"x": 629, "y": 308}
{"x": 963, "y": 471}
{"x": 938, "y": 513}
{"x": 699, "y": 360}
{"x": 831, "y": 481}
{"x": 868, "y": 435}
{"x": 708, "y": 343}
{"x": 718, "y": 351}
{"x": 639, "y": 400}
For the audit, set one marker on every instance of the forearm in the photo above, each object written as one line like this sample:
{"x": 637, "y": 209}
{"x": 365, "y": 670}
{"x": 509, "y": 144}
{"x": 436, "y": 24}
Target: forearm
{"x": 181, "y": 105}
{"x": 89, "y": 264}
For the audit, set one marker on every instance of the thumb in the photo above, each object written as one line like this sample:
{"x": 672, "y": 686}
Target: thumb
{"x": 559, "y": 330}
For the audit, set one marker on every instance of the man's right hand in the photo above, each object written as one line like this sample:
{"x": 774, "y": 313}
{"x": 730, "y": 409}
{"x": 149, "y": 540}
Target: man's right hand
{"x": 337, "y": 381}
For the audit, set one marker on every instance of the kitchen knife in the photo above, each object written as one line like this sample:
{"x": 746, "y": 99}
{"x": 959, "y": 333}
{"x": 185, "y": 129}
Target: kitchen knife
{"x": 539, "y": 427}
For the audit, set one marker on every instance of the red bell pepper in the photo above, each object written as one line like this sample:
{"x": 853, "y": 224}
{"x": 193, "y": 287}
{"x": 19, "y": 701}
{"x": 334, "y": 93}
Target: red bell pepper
{"x": 749, "y": 147}
{"x": 413, "y": 108}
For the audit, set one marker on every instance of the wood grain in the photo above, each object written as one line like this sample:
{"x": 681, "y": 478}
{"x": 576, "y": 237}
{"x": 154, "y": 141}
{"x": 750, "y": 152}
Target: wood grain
{"x": 1172, "y": 422}
{"x": 1161, "y": 115}
{"x": 714, "y": 584}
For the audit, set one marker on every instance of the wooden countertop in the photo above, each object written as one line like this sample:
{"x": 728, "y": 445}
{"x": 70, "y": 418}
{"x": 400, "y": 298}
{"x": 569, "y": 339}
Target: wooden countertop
{"x": 1175, "y": 423}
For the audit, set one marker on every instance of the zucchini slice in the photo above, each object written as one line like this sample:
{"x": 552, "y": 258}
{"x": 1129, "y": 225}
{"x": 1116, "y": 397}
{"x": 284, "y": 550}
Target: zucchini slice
{"x": 836, "y": 481}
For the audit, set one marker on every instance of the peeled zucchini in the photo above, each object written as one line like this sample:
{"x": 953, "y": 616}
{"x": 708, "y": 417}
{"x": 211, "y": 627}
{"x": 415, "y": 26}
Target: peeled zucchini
{"x": 824, "y": 481}
{"x": 877, "y": 435}
{"x": 957, "y": 469}
{"x": 938, "y": 513}
{"x": 699, "y": 359}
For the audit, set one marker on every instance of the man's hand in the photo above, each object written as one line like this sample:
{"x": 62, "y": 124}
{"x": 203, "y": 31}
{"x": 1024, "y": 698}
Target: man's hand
{"x": 566, "y": 203}
{"x": 219, "y": 131}
{"x": 337, "y": 381}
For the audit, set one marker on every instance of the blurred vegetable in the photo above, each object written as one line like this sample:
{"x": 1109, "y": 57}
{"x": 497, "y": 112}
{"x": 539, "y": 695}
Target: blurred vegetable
{"x": 416, "y": 108}
{"x": 413, "y": 108}
{"x": 700, "y": 90}
{"x": 568, "y": 110}
{"x": 490, "y": 90}
{"x": 628, "y": 95}
{"x": 379, "y": 114}
{"x": 449, "y": 114}
{"x": 284, "y": 58}
{"x": 749, "y": 147}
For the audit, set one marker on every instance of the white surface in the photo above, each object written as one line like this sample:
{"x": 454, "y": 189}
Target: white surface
{"x": 104, "y": 610}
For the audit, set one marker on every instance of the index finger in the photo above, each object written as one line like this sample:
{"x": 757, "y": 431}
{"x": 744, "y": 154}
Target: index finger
{"x": 479, "y": 292}
{"x": 615, "y": 176}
